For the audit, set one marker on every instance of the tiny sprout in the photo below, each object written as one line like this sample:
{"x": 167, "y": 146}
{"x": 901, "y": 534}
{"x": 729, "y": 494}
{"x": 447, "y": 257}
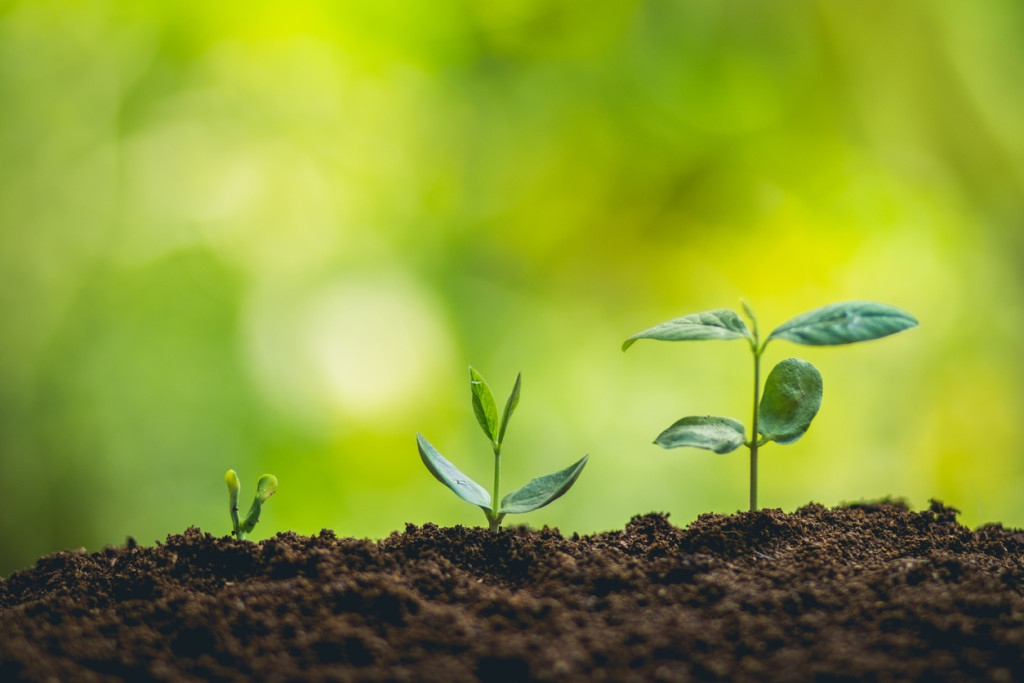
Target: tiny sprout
{"x": 792, "y": 392}
{"x": 536, "y": 494}
{"x": 265, "y": 488}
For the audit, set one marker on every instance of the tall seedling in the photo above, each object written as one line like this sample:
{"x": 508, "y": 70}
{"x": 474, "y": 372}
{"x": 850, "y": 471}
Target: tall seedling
{"x": 792, "y": 392}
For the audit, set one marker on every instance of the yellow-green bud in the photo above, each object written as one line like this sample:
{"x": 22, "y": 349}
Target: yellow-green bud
{"x": 234, "y": 486}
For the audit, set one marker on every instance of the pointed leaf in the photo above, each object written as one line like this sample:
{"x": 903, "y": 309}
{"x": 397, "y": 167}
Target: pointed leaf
{"x": 749, "y": 311}
{"x": 510, "y": 407}
{"x": 483, "y": 404}
{"x": 720, "y": 324}
{"x": 450, "y": 475}
{"x": 542, "y": 490}
{"x": 792, "y": 397}
{"x": 718, "y": 434}
{"x": 844, "y": 323}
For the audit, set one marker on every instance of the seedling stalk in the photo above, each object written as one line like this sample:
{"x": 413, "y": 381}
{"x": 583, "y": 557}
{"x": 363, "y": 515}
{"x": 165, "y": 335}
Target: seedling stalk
{"x": 536, "y": 494}
{"x": 265, "y": 488}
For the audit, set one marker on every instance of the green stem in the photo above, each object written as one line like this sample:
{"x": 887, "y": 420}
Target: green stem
{"x": 494, "y": 518}
{"x": 234, "y": 517}
{"x": 753, "y": 436}
{"x": 757, "y": 348}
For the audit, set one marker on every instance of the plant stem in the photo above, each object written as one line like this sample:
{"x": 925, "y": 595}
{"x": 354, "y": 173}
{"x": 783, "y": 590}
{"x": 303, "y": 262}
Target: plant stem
{"x": 753, "y": 428}
{"x": 494, "y": 518}
{"x": 757, "y": 348}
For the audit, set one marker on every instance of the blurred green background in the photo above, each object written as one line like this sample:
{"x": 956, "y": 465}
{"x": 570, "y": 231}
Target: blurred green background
{"x": 273, "y": 236}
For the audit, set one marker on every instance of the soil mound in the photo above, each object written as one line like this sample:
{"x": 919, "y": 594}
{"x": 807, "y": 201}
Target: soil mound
{"x": 860, "y": 592}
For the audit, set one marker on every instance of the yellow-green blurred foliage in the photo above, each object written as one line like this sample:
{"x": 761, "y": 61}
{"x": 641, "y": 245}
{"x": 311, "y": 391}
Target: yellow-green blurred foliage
{"x": 273, "y": 236}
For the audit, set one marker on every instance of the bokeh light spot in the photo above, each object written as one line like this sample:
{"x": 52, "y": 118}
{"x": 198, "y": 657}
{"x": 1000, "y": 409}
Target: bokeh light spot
{"x": 362, "y": 348}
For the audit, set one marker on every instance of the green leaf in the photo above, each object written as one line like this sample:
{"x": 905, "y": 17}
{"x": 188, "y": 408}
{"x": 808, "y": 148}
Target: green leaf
{"x": 792, "y": 397}
{"x": 844, "y": 323}
{"x": 542, "y": 490}
{"x": 510, "y": 407}
{"x": 483, "y": 404}
{"x": 450, "y": 475}
{"x": 720, "y": 324}
{"x": 750, "y": 313}
{"x": 718, "y": 434}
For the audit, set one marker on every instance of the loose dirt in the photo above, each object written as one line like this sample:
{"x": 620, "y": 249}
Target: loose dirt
{"x": 860, "y": 592}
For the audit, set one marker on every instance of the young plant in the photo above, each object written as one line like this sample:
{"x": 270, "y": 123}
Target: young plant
{"x": 536, "y": 494}
{"x": 792, "y": 392}
{"x": 265, "y": 488}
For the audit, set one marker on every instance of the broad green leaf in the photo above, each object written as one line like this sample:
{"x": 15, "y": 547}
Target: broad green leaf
{"x": 542, "y": 490}
{"x": 718, "y": 434}
{"x": 450, "y": 475}
{"x": 720, "y": 324}
{"x": 510, "y": 407}
{"x": 844, "y": 323}
{"x": 792, "y": 396}
{"x": 483, "y": 404}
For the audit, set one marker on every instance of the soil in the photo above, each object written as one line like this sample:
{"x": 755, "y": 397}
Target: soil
{"x": 860, "y": 592}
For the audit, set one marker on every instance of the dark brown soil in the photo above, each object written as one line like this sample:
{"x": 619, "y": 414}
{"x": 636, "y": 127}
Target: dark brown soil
{"x": 862, "y": 592}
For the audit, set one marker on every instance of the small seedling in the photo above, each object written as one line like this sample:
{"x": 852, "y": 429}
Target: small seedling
{"x": 536, "y": 494}
{"x": 792, "y": 393}
{"x": 265, "y": 488}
